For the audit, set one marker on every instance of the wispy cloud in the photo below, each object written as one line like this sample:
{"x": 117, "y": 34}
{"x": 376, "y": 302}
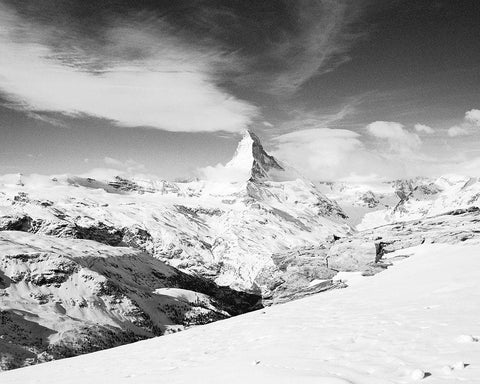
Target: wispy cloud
{"x": 319, "y": 42}
{"x": 165, "y": 84}
{"x": 301, "y": 119}
{"x": 322, "y": 45}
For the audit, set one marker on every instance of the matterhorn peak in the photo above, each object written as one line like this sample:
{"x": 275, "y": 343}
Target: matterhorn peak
{"x": 250, "y": 163}
{"x": 262, "y": 163}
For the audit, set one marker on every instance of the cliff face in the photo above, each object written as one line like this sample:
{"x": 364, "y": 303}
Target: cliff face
{"x": 263, "y": 163}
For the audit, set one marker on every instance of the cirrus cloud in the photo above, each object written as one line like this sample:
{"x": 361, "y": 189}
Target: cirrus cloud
{"x": 170, "y": 86}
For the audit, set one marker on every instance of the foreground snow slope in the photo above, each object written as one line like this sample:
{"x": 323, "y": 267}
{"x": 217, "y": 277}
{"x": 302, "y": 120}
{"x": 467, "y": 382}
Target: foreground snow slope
{"x": 421, "y": 315}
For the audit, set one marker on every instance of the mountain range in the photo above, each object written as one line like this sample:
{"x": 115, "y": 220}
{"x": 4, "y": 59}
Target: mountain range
{"x": 89, "y": 264}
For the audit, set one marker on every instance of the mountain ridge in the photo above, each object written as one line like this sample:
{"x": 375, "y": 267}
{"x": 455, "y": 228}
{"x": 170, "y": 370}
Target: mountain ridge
{"x": 215, "y": 248}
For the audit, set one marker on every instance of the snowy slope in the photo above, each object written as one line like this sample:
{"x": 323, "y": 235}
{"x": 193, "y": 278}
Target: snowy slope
{"x": 417, "y": 319}
{"x": 64, "y": 297}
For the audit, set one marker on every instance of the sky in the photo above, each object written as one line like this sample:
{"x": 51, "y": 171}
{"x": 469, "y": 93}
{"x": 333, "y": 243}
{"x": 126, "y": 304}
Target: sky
{"x": 349, "y": 90}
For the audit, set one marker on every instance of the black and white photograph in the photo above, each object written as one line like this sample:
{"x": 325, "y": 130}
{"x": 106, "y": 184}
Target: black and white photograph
{"x": 239, "y": 191}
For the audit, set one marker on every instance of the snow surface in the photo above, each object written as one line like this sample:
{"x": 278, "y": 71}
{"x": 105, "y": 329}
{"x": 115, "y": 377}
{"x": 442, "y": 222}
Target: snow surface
{"x": 417, "y": 321}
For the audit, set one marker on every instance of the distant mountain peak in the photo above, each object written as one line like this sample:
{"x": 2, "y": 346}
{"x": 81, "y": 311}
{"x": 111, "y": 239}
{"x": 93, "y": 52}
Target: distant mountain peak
{"x": 251, "y": 162}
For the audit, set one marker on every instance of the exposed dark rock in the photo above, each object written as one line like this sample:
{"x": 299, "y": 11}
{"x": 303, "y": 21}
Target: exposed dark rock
{"x": 232, "y": 301}
{"x": 138, "y": 238}
{"x": 91, "y": 339}
{"x": 295, "y": 294}
{"x": 16, "y": 223}
{"x": 262, "y": 161}
{"x": 100, "y": 232}
{"x": 22, "y": 340}
{"x": 123, "y": 184}
{"x": 369, "y": 199}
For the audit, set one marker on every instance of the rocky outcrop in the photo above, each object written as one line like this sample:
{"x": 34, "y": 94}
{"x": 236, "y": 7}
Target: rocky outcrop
{"x": 296, "y": 273}
{"x": 369, "y": 199}
{"x": 351, "y": 254}
{"x": 16, "y": 222}
{"x": 364, "y": 249}
{"x": 308, "y": 270}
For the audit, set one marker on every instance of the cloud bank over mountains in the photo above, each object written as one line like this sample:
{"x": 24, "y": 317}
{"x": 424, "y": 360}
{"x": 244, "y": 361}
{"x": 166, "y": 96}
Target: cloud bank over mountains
{"x": 385, "y": 150}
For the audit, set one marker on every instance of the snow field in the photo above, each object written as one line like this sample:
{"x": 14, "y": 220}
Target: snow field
{"x": 415, "y": 322}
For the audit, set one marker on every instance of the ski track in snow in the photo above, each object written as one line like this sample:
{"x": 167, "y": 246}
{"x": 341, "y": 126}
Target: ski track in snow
{"x": 417, "y": 321}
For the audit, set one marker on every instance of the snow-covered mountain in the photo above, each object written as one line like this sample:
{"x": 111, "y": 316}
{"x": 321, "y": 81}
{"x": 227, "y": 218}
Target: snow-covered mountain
{"x": 89, "y": 264}
{"x": 224, "y": 230}
{"x": 417, "y": 320}
{"x": 372, "y": 205}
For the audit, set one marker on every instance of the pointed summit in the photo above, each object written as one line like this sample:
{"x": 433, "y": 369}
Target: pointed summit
{"x": 251, "y": 161}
